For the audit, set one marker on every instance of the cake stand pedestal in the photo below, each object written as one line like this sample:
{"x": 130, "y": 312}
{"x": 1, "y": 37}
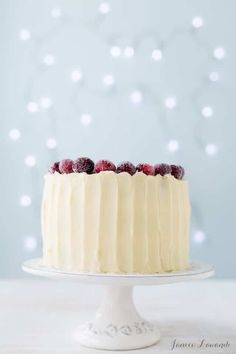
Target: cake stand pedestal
{"x": 117, "y": 324}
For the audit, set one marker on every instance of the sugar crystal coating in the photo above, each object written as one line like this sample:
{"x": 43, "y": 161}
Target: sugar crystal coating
{"x": 145, "y": 168}
{"x": 83, "y": 164}
{"x": 54, "y": 167}
{"x": 162, "y": 169}
{"x": 65, "y": 166}
{"x": 177, "y": 171}
{"x": 126, "y": 166}
{"x": 104, "y": 165}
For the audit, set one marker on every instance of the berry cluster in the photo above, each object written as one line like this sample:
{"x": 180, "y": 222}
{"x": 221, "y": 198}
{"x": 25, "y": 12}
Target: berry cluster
{"x": 84, "y": 164}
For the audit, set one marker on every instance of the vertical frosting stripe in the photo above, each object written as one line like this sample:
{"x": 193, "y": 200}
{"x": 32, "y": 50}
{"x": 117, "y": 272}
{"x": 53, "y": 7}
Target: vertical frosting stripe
{"x": 185, "y": 216}
{"x": 159, "y": 231}
{"x": 125, "y": 233}
{"x": 62, "y": 225}
{"x": 77, "y": 220}
{"x": 176, "y": 237}
{"x": 108, "y": 222}
{"x": 165, "y": 222}
{"x": 153, "y": 230}
{"x": 55, "y": 221}
{"x": 91, "y": 222}
{"x": 139, "y": 222}
{"x": 173, "y": 221}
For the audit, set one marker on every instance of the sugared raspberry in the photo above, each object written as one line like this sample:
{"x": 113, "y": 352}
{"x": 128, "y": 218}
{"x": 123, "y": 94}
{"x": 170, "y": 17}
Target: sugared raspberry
{"x": 54, "y": 167}
{"x": 104, "y": 165}
{"x": 177, "y": 171}
{"x": 65, "y": 166}
{"x": 126, "y": 166}
{"x": 83, "y": 164}
{"x": 145, "y": 168}
{"x": 162, "y": 169}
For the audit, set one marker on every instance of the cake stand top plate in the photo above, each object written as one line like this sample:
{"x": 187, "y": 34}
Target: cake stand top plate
{"x": 197, "y": 270}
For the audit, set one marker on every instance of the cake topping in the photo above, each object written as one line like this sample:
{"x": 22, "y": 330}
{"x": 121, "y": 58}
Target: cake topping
{"x": 104, "y": 165}
{"x": 145, "y": 168}
{"x": 126, "y": 166}
{"x": 54, "y": 167}
{"x": 65, "y": 166}
{"x": 162, "y": 169}
{"x": 83, "y": 164}
{"x": 177, "y": 171}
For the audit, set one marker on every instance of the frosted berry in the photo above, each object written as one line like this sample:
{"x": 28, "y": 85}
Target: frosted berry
{"x": 126, "y": 166}
{"x": 177, "y": 171}
{"x": 145, "y": 168}
{"x": 65, "y": 166}
{"x": 162, "y": 169}
{"x": 83, "y": 164}
{"x": 104, "y": 165}
{"x": 54, "y": 168}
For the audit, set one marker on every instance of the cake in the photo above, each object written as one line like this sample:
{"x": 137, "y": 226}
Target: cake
{"x": 103, "y": 218}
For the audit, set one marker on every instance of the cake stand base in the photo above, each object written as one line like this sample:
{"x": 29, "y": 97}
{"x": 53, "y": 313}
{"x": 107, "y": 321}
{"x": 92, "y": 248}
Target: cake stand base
{"x": 117, "y": 324}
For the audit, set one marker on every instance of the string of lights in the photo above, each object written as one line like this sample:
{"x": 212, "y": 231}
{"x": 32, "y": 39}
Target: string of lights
{"x": 120, "y": 47}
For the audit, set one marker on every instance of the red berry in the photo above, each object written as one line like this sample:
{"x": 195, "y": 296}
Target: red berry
{"x": 65, "y": 166}
{"x": 145, "y": 168}
{"x": 177, "y": 171}
{"x": 162, "y": 169}
{"x": 126, "y": 166}
{"x": 83, "y": 164}
{"x": 104, "y": 165}
{"x": 54, "y": 168}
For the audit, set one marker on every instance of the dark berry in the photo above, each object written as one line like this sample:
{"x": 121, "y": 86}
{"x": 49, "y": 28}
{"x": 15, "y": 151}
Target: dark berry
{"x": 126, "y": 166}
{"x": 145, "y": 168}
{"x": 177, "y": 171}
{"x": 162, "y": 169}
{"x": 65, "y": 166}
{"x": 54, "y": 167}
{"x": 83, "y": 164}
{"x": 104, "y": 165}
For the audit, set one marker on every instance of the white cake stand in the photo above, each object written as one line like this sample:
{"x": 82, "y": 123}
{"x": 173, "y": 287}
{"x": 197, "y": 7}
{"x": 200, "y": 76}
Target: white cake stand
{"x": 117, "y": 324}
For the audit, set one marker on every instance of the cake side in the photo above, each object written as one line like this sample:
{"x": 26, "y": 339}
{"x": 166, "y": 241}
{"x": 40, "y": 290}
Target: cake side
{"x": 109, "y": 222}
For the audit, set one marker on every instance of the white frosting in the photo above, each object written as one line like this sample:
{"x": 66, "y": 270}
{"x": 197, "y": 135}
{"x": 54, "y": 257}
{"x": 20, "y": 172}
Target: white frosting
{"x": 110, "y": 222}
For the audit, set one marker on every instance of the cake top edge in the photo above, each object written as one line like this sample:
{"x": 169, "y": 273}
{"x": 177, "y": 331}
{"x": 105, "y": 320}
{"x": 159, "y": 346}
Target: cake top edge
{"x": 112, "y": 173}
{"x": 86, "y": 165}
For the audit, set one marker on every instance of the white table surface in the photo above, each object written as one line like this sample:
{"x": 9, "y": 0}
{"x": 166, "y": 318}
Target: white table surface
{"x": 38, "y": 316}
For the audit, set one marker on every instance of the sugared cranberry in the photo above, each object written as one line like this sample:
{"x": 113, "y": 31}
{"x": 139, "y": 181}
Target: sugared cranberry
{"x": 104, "y": 165}
{"x": 126, "y": 166}
{"x": 177, "y": 171}
{"x": 65, "y": 166}
{"x": 162, "y": 169}
{"x": 54, "y": 167}
{"x": 145, "y": 168}
{"x": 83, "y": 164}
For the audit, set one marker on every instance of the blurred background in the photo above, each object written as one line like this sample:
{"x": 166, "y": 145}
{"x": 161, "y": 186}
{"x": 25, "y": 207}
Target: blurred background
{"x": 144, "y": 80}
